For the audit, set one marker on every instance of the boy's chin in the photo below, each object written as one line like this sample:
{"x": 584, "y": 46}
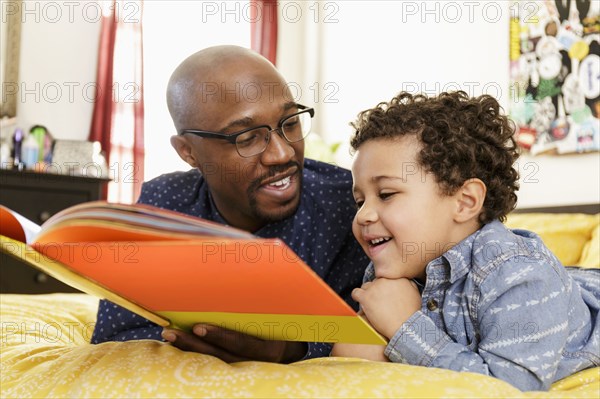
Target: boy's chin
{"x": 385, "y": 272}
{"x": 388, "y": 274}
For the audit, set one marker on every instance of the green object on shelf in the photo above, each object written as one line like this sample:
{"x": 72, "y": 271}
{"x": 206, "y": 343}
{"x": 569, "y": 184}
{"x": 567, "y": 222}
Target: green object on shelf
{"x": 39, "y": 134}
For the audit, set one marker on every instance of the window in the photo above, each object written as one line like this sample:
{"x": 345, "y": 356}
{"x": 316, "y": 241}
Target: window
{"x": 173, "y": 30}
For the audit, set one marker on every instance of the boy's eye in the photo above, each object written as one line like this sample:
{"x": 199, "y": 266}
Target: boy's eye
{"x": 385, "y": 196}
{"x": 359, "y": 203}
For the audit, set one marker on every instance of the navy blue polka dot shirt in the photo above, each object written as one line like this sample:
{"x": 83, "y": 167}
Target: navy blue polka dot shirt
{"x": 320, "y": 233}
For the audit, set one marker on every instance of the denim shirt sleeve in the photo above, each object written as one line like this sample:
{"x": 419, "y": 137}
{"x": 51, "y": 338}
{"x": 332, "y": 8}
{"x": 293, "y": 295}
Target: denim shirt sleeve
{"x": 520, "y": 307}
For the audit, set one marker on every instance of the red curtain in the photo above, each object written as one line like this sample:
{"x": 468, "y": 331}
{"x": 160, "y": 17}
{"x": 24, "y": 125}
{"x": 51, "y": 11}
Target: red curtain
{"x": 102, "y": 118}
{"x": 118, "y": 117}
{"x": 263, "y": 21}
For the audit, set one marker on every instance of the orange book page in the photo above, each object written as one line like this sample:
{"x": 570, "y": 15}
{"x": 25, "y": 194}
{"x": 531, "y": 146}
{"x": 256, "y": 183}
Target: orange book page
{"x": 10, "y": 226}
{"x": 75, "y": 231}
{"x": 205, "y": 275}
{"x": 140, "y": 215}
{"x": 57, "y": 270}
{"x": 295, "y": 327}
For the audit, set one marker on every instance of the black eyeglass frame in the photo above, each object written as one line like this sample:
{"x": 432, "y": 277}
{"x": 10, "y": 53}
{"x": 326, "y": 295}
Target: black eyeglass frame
{"x": 233, "y": 136}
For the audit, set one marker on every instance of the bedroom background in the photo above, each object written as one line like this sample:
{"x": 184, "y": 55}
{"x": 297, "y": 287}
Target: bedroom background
{"x": 340, "y": 56}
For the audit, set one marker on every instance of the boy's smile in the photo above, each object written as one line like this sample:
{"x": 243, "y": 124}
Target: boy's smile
{"x": 376, "y": 243}
{"x": 403, "y": 221}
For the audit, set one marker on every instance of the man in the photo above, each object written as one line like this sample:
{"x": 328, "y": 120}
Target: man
{"x": 241, "y": 131}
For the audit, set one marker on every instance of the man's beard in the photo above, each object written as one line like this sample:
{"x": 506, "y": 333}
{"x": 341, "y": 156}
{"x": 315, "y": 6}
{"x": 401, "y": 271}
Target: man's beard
{"x": 276, "y": 215}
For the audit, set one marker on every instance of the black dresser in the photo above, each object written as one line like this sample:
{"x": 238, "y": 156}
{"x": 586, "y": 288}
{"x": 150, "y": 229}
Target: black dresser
{"x": 37, "y": 196}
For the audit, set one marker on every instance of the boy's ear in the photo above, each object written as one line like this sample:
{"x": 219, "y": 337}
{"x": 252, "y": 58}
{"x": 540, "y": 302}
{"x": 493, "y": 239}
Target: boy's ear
{"x": 469, "y": 200}
{"x": 184, "y": 150}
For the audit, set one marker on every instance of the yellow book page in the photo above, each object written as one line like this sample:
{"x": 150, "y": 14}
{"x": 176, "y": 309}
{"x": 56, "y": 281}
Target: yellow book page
{"x": 286, "y": 327}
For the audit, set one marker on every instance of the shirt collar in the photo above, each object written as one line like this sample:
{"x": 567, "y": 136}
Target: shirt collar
{"x": 213, "y": 212}
{"x": 460, "y": 257}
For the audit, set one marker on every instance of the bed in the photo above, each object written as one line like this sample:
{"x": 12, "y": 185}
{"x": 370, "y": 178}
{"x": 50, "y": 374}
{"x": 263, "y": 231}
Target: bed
{"x": 44, "y": 352}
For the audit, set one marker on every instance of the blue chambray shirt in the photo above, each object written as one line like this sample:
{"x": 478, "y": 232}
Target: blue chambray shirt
{"x": 320, "y": 233}
{"x": 500, "y": 303}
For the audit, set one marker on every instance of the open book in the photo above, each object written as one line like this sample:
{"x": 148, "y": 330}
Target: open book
{"x": 178, "y": 270}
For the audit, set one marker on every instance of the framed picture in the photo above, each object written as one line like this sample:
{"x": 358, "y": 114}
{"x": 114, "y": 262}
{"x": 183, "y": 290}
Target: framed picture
{"x": 555, "y": 75}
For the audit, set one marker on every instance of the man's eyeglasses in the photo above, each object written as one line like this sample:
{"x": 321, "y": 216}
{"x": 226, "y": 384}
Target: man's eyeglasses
{"x": 253, "y": 141}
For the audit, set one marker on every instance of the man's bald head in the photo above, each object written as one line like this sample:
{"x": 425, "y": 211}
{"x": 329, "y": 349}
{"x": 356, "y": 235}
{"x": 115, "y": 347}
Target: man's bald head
{"x": 213, "y": 77}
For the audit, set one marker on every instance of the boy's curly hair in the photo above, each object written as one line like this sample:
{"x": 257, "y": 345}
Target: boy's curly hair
{"x": 461, "y": 138}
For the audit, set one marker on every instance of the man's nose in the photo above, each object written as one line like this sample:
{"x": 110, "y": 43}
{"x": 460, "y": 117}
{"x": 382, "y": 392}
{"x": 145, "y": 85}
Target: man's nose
{"x": 278, "y": 150}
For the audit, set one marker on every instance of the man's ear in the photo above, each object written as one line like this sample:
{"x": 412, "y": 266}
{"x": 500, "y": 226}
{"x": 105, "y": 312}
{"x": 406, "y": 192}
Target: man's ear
{"x": 184, "y": 150}
{"x": 469, "y": 200}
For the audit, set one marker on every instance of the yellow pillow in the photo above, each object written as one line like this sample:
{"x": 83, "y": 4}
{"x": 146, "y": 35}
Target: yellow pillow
{"x": 44, "y": 353}
{"x": 566, "y": 234}
{"x": 591, "y": 252}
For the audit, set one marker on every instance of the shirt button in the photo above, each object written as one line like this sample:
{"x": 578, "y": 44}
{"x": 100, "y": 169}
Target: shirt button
{"x": 432, "y": 304}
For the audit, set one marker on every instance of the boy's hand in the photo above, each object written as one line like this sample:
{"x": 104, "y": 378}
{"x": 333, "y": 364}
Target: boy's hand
{"x": 369, "y": 352}
{"x": 388, "y": 303}
{"x": 231, "y": 346}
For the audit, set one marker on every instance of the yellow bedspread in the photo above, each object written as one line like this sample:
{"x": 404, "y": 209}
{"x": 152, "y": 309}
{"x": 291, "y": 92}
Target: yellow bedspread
{"x": 44, "y": 352}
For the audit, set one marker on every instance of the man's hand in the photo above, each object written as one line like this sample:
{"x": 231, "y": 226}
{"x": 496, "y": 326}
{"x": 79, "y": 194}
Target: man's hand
{"x": 231, "y": 346}
{"x": 388, "y": 303}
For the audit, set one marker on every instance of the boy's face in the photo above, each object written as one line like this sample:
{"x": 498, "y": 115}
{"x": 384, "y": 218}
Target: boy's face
{"x": 403, "y": 221}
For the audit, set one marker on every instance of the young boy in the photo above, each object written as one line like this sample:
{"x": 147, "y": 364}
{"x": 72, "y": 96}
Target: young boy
{"x": 449, "y": 285}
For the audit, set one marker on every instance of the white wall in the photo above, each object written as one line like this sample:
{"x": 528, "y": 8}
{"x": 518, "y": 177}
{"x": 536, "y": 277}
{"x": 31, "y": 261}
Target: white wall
{"x": 164, "y": 49}
{"x": 370, "y": 50}
{"x": 57, "y": 72}
{"x": 559, "y": 180}
{"x": 355, "y": 54}
{"x": 367, "y": 51}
